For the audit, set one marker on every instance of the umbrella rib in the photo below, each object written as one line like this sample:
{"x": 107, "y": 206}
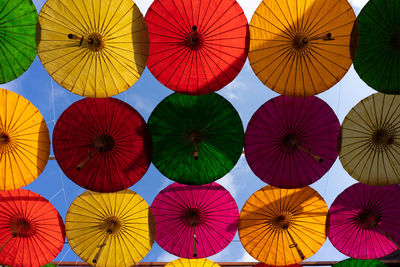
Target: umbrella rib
{"x": 174, "y": 34}
{"x": 318, "y": 17}
{"x": 2, "y": 47}
{"x": 288, "y": 30}
{"x": 109, "y": 31}
{"x": 177, "y": 25}
{"x": 314, "y": 29}
{"x": 213, "y": 27}
{"x": 207, "y": 25}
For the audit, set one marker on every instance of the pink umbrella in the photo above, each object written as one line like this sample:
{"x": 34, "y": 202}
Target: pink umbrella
{"x": 364, "y": 221}
{"x": 195, "y": 220}
{"x": 291, "y": 142}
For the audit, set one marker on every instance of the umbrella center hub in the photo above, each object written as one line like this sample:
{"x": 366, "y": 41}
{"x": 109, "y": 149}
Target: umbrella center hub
{"x": 299, "y": 42}
{"x": 111, "y": 225}
{"x": 194, "y": 40}
{"x": 282, "y": 220}
{"x": 290, "y": 140}
{"x": 192, "y": 216}
{"x": 95, "y": 42}
{"x": 4, "y": 139}
{"x": 104, "y": 143}
{"x": 21, "y": 227}
{"x": 382, "y": 138}
{"x": 368, "y": 217}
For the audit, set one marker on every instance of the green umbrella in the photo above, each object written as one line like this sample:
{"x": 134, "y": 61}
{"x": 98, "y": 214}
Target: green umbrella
{"x": 360, "y": 263}
{"x": 377, "y": 59}
{"x": 17, "y": 38}
{"x": 196, "y": 139}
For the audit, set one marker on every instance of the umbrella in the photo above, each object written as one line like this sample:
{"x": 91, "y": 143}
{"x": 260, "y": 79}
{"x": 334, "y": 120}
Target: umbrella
{"x": 110, "y": 229}
{"x": 360, "y": 263}
{"x": 102, "y": 144}
{"x": 17, "y": 38}
{"x": 93, "y": 50}
{"x": 292, "y": 142}
{"x": 196, "y": 47}
{"x": 283, "y": 226}
{"x": 364, "y": 221}
{"x": 301, "y": 48}
{"x": 24, "y": 141}
{"x": 31, "y": 230}
{"x": 192, "y": 263}
{"x": 195, "y": 221}
{"x": 196, "y": 139}
{"x": 370, "y": 140}
{"x": 378, "y": 55}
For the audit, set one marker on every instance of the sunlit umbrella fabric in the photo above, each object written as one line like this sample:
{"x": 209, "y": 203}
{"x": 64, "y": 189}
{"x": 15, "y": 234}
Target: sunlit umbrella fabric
{"x": 360, "y": 263}
{"x": 370, "y": 140}
{"x": 301, "y": 47}
{"x": 196, "y": 47}
{"x": 24, "y": 141}
{"x": 196, "y": 139}
{"x": 292, "y": 142}
{"x": 378, "y": 54}
{"x": 93, "y": 49}
{"x": 32, "y": 232}
{"x": 110, "y": 229}
{"x": 182, "y": 262}
{"x": 283, "y": 226}
{"x": 17, "y": 38}
{"x": 364, "y": 221}
{"x": 102, "y": 144}
{"x": 195, "y": 220}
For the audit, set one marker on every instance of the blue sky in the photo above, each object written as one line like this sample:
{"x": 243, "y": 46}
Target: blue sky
{"x": 246, "y": 93}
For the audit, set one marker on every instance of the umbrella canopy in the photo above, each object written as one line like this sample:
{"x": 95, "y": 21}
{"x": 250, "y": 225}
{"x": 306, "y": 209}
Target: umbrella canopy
{"x": 110, "y": 229}
{"x": 283, "y": 226}
{"x": 102, "y": 144}
{"x": 378, "y": 54}
{"x": 301, "y": 48}
{"x": 370, "y": 140}
{"x": 364, "y": 221}
{"x": 196, "y": 47}
{"x": 360, "y": 263}
{"x": 196, "y": 139}
{"x": 93, "y": 50}
{"x": 195, "y": 221}
{"x": 32, "y": 232}
{"x": 192, "y": 263}
{"x": 292, "y": 142}
{"x": 17, "y": 38}
{"x": 24, "y": 141}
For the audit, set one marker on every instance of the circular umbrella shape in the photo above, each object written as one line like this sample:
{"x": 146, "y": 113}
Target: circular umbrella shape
{"x": 301, "y": 48}
{"x": 94, "y": 49}
{"x": 32, "y": 232}
{"x": 378, "y": 54}
{"x": 102, "y": 144}
{"x": 24, "y": 141}
{"x": 364, "y": 221}
{"x": 17, "y": 38}
{"x": 196, "y": 47}
{"x": 196, "y": 139}
{"x": 292, "y": 142}
{"x": 195, "y": 220}
{"x": 370, "y": 140}
{"x": 192, "y": 263}
{"x": 110, "y": 229}
{"x": 360, "y": 263}
{"x": 283, "y": 226}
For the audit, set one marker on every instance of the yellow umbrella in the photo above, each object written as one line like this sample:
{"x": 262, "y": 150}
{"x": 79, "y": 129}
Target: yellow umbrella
{"x": 182, "y": 262}
{"x": 110, "y": 229}
{"x": 93, "y": 49}
{"x": 370, "y": 140}
{"x": 24, "y": 141}
{"x": 301, "y": 47}
{"x": 283, "y": 226}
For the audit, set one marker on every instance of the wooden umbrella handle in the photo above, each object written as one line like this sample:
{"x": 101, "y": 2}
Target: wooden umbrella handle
{"x": 195, "y": 150}
{"x": 101, "y": 246}
{"x": 194, "y": 241}
{"x": 294, "y": 245}
{"x": 83, "y": 163}
{"x": 308, "y": 152}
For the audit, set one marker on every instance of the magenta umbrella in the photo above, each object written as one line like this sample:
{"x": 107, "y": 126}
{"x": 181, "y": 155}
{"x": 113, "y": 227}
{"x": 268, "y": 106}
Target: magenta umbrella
{"x": 364, "y": 221}
{"x": 292, "y": 142}
{"x": 195, "y": 220}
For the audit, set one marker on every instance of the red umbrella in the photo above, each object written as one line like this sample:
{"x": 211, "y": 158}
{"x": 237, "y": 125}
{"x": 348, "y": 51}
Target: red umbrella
{"x": 195, "y": 220}
{"x": 291, "y": 142}
{"x": 32, "y": 232}
{"x": 102, "y": 144}
{"x": 364, "y": 221}
{"x": 196, "y": 47}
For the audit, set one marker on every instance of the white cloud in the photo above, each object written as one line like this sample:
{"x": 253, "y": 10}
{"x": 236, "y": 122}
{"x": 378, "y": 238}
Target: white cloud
{"x": 228, "y": 182}
{"x": 245, "y": 257}
{"x": 166, "y": 257}
{"x": 234, "y": 90}
{"x": 358, "y": 3}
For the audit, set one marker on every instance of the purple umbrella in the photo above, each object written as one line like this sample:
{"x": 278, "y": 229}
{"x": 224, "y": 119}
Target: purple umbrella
{"x": 292, "y": 142}
{"x": 364, "y": 221}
